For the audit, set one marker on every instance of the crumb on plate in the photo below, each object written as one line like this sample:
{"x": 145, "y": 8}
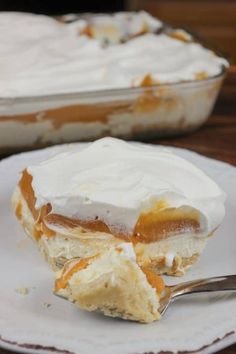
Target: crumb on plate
{"x": 22, "y": 291}
{"x": 46, "y": 305}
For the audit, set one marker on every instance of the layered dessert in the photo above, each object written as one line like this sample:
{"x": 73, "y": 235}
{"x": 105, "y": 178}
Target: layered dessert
{"x": 83, "y": 202}
{"x": 84, "y": 77}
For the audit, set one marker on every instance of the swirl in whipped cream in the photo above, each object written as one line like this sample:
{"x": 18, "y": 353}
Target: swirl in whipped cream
{"x": 40, "y": 55}
{"x": 116, "y": 181}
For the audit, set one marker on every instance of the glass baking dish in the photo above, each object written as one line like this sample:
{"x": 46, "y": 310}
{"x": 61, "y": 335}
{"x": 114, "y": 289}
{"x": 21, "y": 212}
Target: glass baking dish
{"x": 139, "y": 113}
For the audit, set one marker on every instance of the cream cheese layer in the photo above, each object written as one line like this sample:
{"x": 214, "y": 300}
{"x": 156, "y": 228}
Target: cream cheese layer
{"x": 116, "y": 181}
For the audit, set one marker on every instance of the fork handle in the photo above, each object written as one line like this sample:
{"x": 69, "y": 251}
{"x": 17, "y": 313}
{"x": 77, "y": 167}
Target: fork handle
{"x": 221, "y": 283}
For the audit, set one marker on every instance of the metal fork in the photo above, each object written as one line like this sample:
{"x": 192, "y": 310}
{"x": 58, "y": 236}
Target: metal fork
{"x": 221, "y": 283}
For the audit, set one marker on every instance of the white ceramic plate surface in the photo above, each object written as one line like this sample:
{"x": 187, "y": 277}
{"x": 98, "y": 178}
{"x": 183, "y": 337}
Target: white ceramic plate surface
{"x": 39, "y": 322}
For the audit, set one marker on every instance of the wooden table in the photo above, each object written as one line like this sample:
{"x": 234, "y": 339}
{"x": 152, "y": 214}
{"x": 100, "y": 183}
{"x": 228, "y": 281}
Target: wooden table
{"x": 216, "y": 139}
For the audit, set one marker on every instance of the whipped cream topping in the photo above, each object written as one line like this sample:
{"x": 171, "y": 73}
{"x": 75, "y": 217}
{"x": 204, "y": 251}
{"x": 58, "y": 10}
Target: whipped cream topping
{"x": 120, "y": 27}
{"x": 115, "y": 181}
{"x": 40, "y": 55}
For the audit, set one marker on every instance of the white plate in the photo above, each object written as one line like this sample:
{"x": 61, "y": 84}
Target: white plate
{"x": 203, "y": 323}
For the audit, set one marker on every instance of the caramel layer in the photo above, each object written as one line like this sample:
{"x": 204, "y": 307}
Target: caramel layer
{"x": 70, "y": 114}
{"x": 148, "y": 101}
{"x": 94, "y": 225}
{"x": 157, "y": 224}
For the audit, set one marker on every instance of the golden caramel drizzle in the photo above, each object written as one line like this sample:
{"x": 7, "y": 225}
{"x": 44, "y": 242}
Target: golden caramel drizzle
{"x": 18, "y": 211}
{"x": 25, "y": 185}
{"x": 179, "y": 35}
{"x": 147, "y": 81}
{"x": 201, "y": 75}
{"x": 154, "y": 280}
{"x": 40, "y": 228}
{"x": 87, "y": 31}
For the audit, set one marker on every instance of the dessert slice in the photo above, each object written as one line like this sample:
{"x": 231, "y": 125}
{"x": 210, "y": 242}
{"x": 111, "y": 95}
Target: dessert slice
{"x": 81, "y": 202}
{"x": 113, "y": 283}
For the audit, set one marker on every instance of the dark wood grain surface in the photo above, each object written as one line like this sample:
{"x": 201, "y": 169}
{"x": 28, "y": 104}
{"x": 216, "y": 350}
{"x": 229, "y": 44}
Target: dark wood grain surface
{"x": 216, "y": 139}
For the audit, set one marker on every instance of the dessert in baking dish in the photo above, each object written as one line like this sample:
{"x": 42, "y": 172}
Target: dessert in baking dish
{"x": 59, "y": 89}
{"x": 84, "y": 201}
{"x": 113, "y": 283}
